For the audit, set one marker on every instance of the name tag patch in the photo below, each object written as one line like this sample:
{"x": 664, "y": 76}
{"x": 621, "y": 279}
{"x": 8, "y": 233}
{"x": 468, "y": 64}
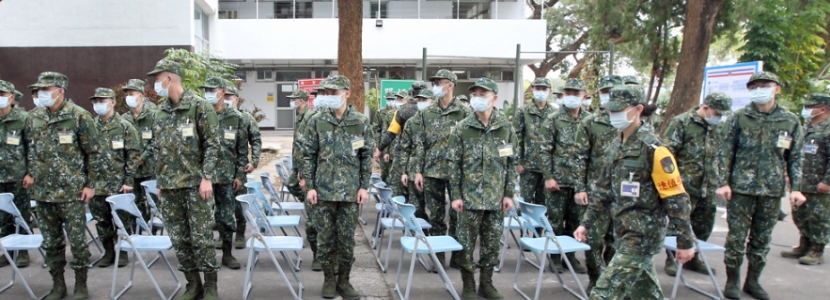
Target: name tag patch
{"x": 65, "y": 138}
{"x": 630, "y": 189}
{"x": 505, "y": 150}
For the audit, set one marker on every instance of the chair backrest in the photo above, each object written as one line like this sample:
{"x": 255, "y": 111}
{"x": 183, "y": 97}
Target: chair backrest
{"x": 407, "y": 212}
{"x": 537, "y": 213}
{"x": 282, "y": 173}
{"x": 249, "y": 212}
{"x": 126, "y": 202}
{"x": 150, "y": 189}
{"x": 255, "y": 188}
{"x": 288, "y": 163}
{"x": 7, "y": 205}
{"x": 266, "y": 182}
{"x": 376, "y": 178}
{"x": 250, "y": 177}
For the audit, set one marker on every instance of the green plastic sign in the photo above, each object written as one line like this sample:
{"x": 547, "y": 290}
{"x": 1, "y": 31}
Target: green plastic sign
{"x": 394, "y": 86}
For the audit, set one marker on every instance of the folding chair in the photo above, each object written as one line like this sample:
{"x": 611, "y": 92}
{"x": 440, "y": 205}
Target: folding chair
{"x": 277, "y": 199}
{"x": 258, "y": 243}
{"x": 156, "y": 220}
{"x": 268, "y": 223}
{"x": 562, "y": 245}
{"x": 392, "y": 223}
{"x": 137, "y": 243}
{"x": 415, "y": 245}
{"x": 373, "y": 192}
{"x": 288, "y": 163}
{"x": 18, "y": 242}
{"x": 513, "y": 222}
{"x": 283, "y": 173}
{"x": 670, "y": 243}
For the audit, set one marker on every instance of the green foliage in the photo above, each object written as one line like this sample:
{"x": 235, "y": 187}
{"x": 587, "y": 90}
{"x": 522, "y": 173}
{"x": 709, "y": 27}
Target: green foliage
{"x": 372, "y": 99}
{"x": 198, "y": 66}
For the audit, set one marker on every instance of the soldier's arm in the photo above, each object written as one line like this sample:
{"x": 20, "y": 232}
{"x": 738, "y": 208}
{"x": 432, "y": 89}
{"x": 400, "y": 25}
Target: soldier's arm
{"x": 547, "y": 144}
{"x": 417, "y": 157}
{"x": 254, "y": 139}
{"x": 377, "y": 125}
{"x": 132, "y": 143}
{"x": 25, "y": 134}
{"x": 391, "y": 133}
{"x": 399, "y": 164}
{"x": 726, "y": 151}
{"x": 674, "y": 136}
{"x": 208, "y": 127}
{"x": 510, "y": 175}
{"x": 241, "y": 148}
{"x": 455, "y": 155}
{"x": 310, "y": 146}
{"x": 366, "y": 156}
{"x": 146, "y": 152}
{"x": 795, "y": 157}
{"x": 88, "y": 137}
{"x": 582, "y": 151}
{"x": 678, "y": 207}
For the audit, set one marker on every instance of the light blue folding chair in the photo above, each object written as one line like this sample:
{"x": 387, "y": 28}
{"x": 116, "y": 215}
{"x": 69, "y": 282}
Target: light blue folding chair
{"x": 513, "y": 222}
{"x": 156, "y": 220}
{"x": 136, "y": 244}
{"x": 278, "y": 199}
{"x": 422, "y": 244}
{"x": 549, "y": 244}
{"x": 258, "y": 243}
{"x": 394, "y": 222}
{"x": 288, "y": 163}
{"x": 269, "y": 222}
{"x": 373, "y": 193}
{"x": 670, "y": 243}
{"x": 18, "y": 242}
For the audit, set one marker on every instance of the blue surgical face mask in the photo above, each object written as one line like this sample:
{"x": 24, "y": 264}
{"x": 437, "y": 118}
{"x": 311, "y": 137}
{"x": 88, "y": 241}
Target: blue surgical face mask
{"x": 162, "y": 92}
{"x": 229, "y": 103}
{"x": 335, "y": 101}
{"x": 4, "y": 102}
{"x": 540, "y": 96}
{"x": 132, "y": 101}
{"x": 760, "y": 95}
{"x": 423, "y": 105}
{"x": 572, "y": 102}
{"x": 45, "y": 98}
{"x": 100, "y": 108}
{"x": 620, "y": 119}
{"x": 319, "y": 101}
{"x": 586, "y": 102}
{"x": 211, "y": 97}
{"x": 714, "y": 119}
{"x": 479, "y": 104}
{"x": 438, "y": 91}
{"x": 293, "y": 106}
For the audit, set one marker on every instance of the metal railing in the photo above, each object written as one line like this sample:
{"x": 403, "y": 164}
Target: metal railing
{"x": 378, "y": 9}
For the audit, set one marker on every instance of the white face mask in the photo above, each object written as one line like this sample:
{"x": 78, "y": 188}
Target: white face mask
{"x": 572, "y": 102}
{"x": 163, "y": 92}
{"x": 100, "y": 108}
{"x": 604, "y": 98}
{"x": 335, "y": 101}
{"x": 586, "y": 102}
{"x": 540, "y": 96}
{"x": 211, "y": 97}
{"x": 4, "y": 102}
{"x": 398, "y": 105}
{"x": 620, "y": 119}
{"x": 761, "y": 95}
{"x": 45, "y": 98}
{"x": 560, "y": 101}
{"x": 713, "y": 119}
{"x": 229, "y": 103}
{"x": 37, "y": 102}
{"x": 132, "y": 101}
{"x": 438, "y": 91}
{"x": 807, "y": 113}
{"x": 423, "y": 105}
{"x": 292, "y": 105}
{"x": 319, "y": 101}
{"x": 479, "y": 104}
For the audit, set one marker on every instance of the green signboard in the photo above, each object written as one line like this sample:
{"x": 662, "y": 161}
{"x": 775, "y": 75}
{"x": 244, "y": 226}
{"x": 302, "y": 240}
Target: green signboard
{"x": 394, "y": 86}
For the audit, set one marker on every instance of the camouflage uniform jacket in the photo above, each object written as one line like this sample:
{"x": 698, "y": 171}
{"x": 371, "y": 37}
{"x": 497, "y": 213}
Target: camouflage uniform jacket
{"x": 186, "y": 142}
{"x": 595, "y": 137}
{"x": 639, "y": 223}
{"x": 530, "y": 134}
{"x": 816, "y": 167}
{"x": 118, "y": 151}
{"x": 61, "y": 171}
{"x": 751, "y": 162}
{"x": 300, "y": 123}
{"x": 251, "y": 129}
{"x": 405, "y": 144}
{"x": 144, "y": 125}
{"x": 694, "y": 144}
{"x": 380, "y": 123}
{"x": 337, "y": 154}
{"x": 234, "y": 147}
{"x": 13, "y": 148}
{"x": 482, "y": 161}
{"x": 430, "y": 157}
{"x": 559, "y": 149}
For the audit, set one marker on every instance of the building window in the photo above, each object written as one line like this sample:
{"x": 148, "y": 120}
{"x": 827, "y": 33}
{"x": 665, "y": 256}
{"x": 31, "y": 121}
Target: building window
{"x": 201, "y": 30}
{"x": 264, "y": 75}
{"x": 302, "y": 10}
{"x": 472, "y": 10}
{"x": 373, "y": 10}
{"x": 292, "y": 75}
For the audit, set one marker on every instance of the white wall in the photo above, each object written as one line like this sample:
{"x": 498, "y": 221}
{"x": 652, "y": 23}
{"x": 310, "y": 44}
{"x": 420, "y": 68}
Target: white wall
{"x": 50, "y": 23}
{"x": 509, "y": 10}
{"x": 429, "y": 10}
{"x": 256, "y": 93}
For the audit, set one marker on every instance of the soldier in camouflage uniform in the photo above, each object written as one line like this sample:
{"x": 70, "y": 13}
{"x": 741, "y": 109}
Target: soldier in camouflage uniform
{"x": 119, "y": 151}
{"x": 641, "y": 195}
{"x": 431, "y": 168}
{"x": 762, "y": 147}
{"x": 251, "y": 130}
{"x": 404, "y": 145}
{"x": 67, "y": 141}
{"x": 529, "y": 133}
{"x": 379, "y": 125}
{"x": 141, "y": 116}
{"x": 408, "y": 108}
{"x": 186, "y": 144}
{"x": 337, "y": 153}
{"x": 230, "y": 170}
{"x": 14, "y": 173}
{"x": 481, "y": 164}
{"x": 463, "y": 99}
{"x": 813, "y": 217}
{"x": 559, "y": 94}
{"x": 694, "y": 138}
{"x": 564, "y": 174}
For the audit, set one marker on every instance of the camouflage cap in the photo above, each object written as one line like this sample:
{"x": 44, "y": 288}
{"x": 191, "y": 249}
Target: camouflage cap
{"x": 719, "y": 101}
{"x": 338, "y": 82}
{"x": 403, "y": 93}
{"x": 622, "y": 97}
{"x": 167, "y": 66}
{"x": 6, "y": 86}
{"x": 135, "y": 85}
{"x": 425, "y": 93}
{"x": 541, "y": 81}
{"x": 18, "y": 96}
{"x": 574, "y": 84}
{"x": 557, "y": 91}
{"x": 445, "y": 74}
{"x": 103, "y": 92}
{"x": 630, "y": 79}
{"x": 419, "y": 85}
{"x": 390, "y": 94}
{"x": 462, "y": 98}
{"x": 232, "y": 90}
{"x": 609, "y": 81}
{"x": 299, "y": 93}
{"x": 763, "y": 76}
{"x": 819, "y": 93}
{"x": 212, "y": 82}
{"x": 485, "y": 83}
{"x": 322, "y": 85}
{"x": 47, "y": 79}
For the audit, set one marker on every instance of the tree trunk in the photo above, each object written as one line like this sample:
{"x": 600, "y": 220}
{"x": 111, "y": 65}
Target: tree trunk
{"x": 580, "y": 64}
{"x": 350, "y": 48}
{"x": 660, "y": 80}
{"x": 697, "y": 35}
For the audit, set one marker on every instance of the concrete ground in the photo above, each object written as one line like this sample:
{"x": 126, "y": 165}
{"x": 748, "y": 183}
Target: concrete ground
{"x": 783, "y": 278}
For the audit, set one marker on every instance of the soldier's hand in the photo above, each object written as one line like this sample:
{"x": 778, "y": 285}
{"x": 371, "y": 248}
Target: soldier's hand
{"x": 386, "y": 157}
{"x": 87, "y": 194}
{"x": 551, "y": 185}
{"x": 506, "y": 204}
{"x": 249, "y": 168}
{"x": 520, "y": 169}
{"x": 125, "y": 189}
{"x": 237, "y": 184}
{"x": 724, "y": 193}
{"x": 581, "y": 198}
{"x": 376, "y": 156}
{"x": 419, "y": 182}
{"x": 205, "y": 189}
{"x": 684, "y": 255}
{"x": 28, "y": 181}
{"x": 405, "y": 180}
{"x": 581, "y": 234}
{"x": 823, "y": 188}
{"x": 302, "y": 184}
{"x": 311, "y": 196}
{"x": 362, "y": 196}
{"x": 797, "y": 198}
{"x": 458, "y": 205}
{"x": 140, "y": 162}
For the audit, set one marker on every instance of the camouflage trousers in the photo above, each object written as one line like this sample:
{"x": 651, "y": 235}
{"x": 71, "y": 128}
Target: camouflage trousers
{"x": 53, "y": 219}
{"x": 102, "y": 213}
{"x": 394, "y": 183}
{"x": 223, "y": 213}
{"x": 563, "y": 212}
{"x": 21, "y": 200}
{"x": 754, "y": 216}
{"x": 532, "y": 185}
{"x": 628, "y": 275}
{"x": 336, "y": 222}
{"x": 141, "y": 198}
{"x": 417, "y": 198}
{"x": 436, "y": 202}
{"x": 188, "y": 219}
{"x": 386, "y": 167}
{"x": 311, "y": 220}
{"x": 485, "y": 225}
{"x": 603, "y": 226}
{"x": 813, "y": 218}
{"x": 237, "y": 212}
{"x": 702, "y": 217}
